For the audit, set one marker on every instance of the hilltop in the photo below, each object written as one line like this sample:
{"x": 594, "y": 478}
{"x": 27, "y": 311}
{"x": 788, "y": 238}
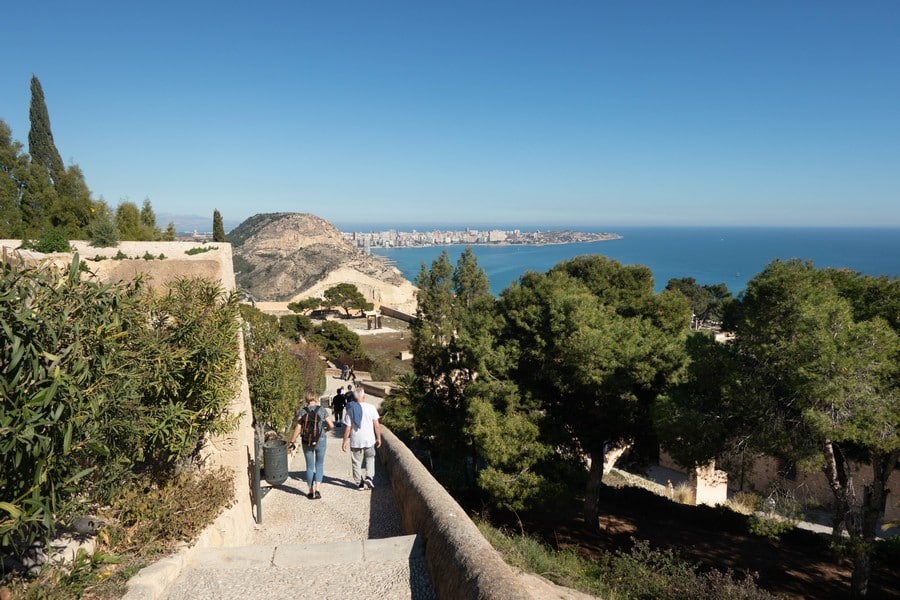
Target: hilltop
{"x": 282, "y": 257}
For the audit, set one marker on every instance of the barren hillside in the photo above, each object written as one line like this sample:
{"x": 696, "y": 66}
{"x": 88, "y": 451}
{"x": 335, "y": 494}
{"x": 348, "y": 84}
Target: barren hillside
{"x": 281, "y": 257}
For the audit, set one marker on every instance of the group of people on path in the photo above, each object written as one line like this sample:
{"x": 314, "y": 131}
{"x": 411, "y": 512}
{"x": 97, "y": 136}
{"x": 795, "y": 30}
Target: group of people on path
{"x": 347, "y": 373}
{"x": 361, "y": 434}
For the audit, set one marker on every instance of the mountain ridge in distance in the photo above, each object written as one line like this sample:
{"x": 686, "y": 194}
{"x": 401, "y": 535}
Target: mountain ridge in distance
{"x": 197, "y": 223}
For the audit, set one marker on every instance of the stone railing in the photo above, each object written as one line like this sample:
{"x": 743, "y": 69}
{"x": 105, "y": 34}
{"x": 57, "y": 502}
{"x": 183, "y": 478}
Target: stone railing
{"x": 461, "y": 563}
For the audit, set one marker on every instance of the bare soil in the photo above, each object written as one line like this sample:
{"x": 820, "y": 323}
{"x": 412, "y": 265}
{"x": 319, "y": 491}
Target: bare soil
{"x": 386, "y": 343}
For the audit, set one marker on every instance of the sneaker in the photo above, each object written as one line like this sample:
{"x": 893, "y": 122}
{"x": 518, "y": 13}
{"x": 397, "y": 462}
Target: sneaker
{"x": 318, "y": 496}
{"x": 310, "y": 495}
{"x": 368, "y": 483}
{"x": 361, "y": 486}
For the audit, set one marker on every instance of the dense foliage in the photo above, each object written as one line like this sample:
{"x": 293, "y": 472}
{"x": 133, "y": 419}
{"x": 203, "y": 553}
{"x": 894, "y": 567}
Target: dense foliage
{"x": 511, "y": 397}
{"x": 522, "y": 390}
{"x": 278, "y": 372}
{"x": 811, "y": 377}
{"x": 100, "y": 384}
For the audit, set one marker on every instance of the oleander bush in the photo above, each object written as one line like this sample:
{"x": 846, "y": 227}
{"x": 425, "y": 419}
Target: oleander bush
{"x": 101, "y": 385}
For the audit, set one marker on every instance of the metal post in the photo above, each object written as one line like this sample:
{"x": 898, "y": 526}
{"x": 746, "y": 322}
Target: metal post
{"x": 257, "y": 489}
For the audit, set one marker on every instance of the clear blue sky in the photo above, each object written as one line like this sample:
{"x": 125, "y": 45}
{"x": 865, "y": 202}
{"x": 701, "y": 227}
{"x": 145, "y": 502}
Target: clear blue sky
{"x": 524, "y": 113}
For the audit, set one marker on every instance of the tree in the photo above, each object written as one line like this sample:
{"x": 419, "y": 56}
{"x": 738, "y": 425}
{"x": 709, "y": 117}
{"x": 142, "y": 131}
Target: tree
{"x": 347, "y": 296}
{"x": 336, "y": 341}
{"x": 305, "y": 305}
{"x": 73, "y": 207}
{"x": 102, "y": 231}
{"x": 128, "y": 222}
{"x": 218, "y": 228}
{"x": 817, "y": 385}
{"x": 13, "y": 167}
{"x": 707, "y": 301}
{"x": 459, "y": 402}
{"x": 40, "y": 137}
{"x": 148, "y": 217}
{"x": 38, "y": 198}
{"x": 295, "y": 327}
{"x": 590, "y": 339}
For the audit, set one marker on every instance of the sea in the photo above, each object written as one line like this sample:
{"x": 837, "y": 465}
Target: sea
{"x": 711, "y": 255}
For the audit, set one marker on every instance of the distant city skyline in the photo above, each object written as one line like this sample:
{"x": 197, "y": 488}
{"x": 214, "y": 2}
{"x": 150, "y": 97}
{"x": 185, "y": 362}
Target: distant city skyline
{"x": 522, "y": 113}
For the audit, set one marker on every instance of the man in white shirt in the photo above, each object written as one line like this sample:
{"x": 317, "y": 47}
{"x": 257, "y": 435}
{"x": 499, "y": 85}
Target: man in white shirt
{"x": 362, "y": 431}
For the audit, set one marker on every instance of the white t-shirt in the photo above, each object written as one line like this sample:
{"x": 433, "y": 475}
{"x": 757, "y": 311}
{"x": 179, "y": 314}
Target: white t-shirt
{"x": 365, "y": 435}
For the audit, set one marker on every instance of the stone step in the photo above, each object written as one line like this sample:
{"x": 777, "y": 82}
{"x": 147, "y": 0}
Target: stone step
{"x": 387, "y": 568}
{"x": 390, "y": 549}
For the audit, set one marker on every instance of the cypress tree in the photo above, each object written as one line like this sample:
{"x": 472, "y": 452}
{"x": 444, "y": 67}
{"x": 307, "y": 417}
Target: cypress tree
{"x": 40, "y": 138}
{"x": 218, "y": 228}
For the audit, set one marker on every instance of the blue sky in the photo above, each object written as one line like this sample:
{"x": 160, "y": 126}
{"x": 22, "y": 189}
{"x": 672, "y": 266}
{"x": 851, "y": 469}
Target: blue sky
{"x": 520, "y": 113}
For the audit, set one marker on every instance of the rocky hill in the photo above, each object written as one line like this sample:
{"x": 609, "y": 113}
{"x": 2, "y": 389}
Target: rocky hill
{"x": 282, "y": 257}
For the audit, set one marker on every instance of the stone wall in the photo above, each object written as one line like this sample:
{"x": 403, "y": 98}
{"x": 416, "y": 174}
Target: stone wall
{"x": 461, "y": 563}
{"x": 765, "y": 472}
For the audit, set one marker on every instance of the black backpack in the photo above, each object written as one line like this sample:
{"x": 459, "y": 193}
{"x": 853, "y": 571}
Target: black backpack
{"x": 311, "y": 426}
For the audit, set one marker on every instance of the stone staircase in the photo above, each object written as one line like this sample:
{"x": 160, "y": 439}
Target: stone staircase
{"x": 348, "y": 542}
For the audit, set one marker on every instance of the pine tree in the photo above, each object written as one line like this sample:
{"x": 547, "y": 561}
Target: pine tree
{"x": 218, "y": 228}
{"x": 40, "y": 138}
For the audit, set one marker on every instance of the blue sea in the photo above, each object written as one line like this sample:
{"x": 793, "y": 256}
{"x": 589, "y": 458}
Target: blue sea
{"x": 710, "y": 255}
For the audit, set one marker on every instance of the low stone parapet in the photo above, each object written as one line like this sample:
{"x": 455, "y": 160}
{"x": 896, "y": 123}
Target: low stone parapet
{"x": 461, "y": 562}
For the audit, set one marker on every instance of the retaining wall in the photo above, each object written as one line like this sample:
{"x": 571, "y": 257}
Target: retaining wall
{"x": 461, "y": 563}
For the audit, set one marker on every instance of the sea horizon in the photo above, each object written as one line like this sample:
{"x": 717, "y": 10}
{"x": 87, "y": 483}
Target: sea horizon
{"x": 710, "y": 254}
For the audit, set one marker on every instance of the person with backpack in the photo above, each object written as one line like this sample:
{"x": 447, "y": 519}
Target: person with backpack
{"x": 362, "y": 432}
{"x": 312, "y": 423}
{"x": 337, "y": 405}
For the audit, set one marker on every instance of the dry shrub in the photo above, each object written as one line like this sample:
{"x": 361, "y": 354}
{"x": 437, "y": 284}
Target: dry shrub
{"x": 152, "y": 519}
{"x": 684, "y": 494}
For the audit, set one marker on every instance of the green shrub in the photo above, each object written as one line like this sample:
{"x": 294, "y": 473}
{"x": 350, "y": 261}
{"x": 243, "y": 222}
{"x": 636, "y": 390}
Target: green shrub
{"x": 200, "y": 250}
{"x": 276, "y": 381}
{"x": 51, "y": 240}
{"x": 98, "y": 381}
{"x": 103, "y": 232}
{"x": 120, "y": 256}
{"x": 780, "y": 513}
{"x": 59, "y": 374}
{"x": 638, "y": 573}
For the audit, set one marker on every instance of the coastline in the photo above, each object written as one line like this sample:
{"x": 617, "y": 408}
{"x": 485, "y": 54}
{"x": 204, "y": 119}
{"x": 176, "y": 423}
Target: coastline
{"x": 498, "y": 244}
{"x": 711, "y": 255}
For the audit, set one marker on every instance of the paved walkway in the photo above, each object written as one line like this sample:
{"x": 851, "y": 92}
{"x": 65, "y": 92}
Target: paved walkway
{"x": 347, "y": 544}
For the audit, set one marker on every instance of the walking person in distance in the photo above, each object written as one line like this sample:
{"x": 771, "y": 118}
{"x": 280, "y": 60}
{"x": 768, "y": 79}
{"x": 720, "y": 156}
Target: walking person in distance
{"x": 362, "y": 432}
{"x": 337, "y": 405}
{"x": 312, "y": 423}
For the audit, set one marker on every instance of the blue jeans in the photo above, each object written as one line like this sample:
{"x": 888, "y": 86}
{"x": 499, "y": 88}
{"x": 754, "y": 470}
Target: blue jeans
{"x": 315, "y": 460}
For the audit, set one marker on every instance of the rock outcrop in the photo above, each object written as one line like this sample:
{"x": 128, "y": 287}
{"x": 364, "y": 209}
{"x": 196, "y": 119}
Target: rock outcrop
{"x": 282, "y": 257}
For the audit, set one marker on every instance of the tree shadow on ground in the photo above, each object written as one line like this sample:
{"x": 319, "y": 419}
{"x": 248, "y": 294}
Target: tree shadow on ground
{"x": 800, "y": 565}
